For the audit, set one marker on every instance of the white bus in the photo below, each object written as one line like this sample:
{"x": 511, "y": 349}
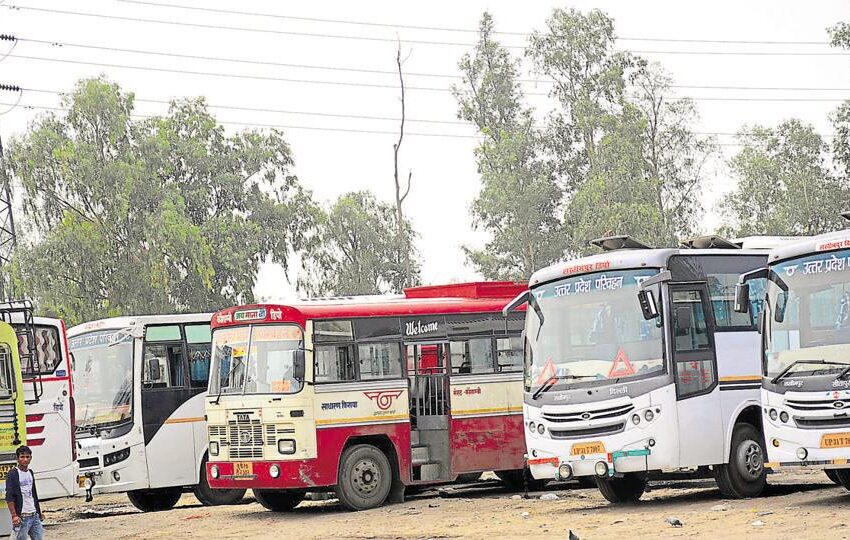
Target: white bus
{"x": 636, "y": 362}
{"x": 140, "y": 384}
{"x": 805, "y": 384}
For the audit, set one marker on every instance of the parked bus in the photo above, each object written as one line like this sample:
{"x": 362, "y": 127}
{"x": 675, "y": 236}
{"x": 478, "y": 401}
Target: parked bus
{"x": 366, "y": 395}
{"x": 636, "y": 362}
{"x": 140, "y": 385}
{"x": 12, "y": 416}
{"x": 805, "y": 388}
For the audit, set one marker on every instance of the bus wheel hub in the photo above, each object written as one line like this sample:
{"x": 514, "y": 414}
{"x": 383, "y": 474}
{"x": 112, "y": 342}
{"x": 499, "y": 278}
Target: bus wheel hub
{"x": 753, "y": 459}
{"x": 366, "y": 476}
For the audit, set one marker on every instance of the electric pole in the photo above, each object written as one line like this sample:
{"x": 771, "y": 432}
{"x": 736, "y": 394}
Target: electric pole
{"x": 8, "y": 239}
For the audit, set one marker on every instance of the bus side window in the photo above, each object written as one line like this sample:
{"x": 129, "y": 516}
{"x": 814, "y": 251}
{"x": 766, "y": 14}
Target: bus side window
{"x": 379, "y": 361}
{"x": 509, "y": 353}
{"x": 198, "y": 347}
{"x": 163, "y": 366}
{"x": 334, "y": 363}
{"x": 47, "y": 351}
{"x": 472, "y": 356}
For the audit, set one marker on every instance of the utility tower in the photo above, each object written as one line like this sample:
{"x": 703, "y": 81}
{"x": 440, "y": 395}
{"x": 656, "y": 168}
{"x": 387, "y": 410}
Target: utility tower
{"x": 8, "y": 240}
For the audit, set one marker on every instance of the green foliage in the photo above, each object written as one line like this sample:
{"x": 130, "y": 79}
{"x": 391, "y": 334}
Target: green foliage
{"x": 162, "y": 215}
{"x": 355, "y": 251}
{"x": 840, "y": 35}
{"x": 784, "y": 184}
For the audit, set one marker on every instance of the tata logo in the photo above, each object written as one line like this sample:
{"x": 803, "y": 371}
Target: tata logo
{"x": 585, "y": 416}
{"x": 250, "y": 315}
{"x": 243, "y": 417}
{"x": 384, "y": 398}
{"x": 245, "y": 437}
{"x": 839, "y": 404}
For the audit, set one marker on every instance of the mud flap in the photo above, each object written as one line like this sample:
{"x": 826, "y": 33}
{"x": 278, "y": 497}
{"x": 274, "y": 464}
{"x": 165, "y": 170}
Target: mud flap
{"x": 396, "y": 492}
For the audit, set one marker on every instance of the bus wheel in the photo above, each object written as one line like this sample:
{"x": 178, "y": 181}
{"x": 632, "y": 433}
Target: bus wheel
{"x": 629, "y": 488}
{"x": 468, "y": 478}
{"x": 515, "y": 480}
{"x": 154, "y": 500}
{"x": 214, "y": 497}
{"x": 744, "y": 476}
{"x": 278, "y": 500}
{"x": 832, "y": 474}
{"x": 364, "y": 478}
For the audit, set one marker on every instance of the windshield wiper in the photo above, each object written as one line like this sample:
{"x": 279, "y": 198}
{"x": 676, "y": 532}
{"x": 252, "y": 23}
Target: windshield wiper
{"x": 785, "y": 371}
{"x": 233, "y": 365}
{"x": 550, "y": 382}
{"x": 843, "y": 373}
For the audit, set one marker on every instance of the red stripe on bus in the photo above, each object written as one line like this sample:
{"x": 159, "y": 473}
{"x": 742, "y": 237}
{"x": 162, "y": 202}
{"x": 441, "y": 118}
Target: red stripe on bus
{"x": 35, "y": 442}
{"x": 35, "y": 417}
{"x": 34, "y": 430}
{"x": 54, "y": 379}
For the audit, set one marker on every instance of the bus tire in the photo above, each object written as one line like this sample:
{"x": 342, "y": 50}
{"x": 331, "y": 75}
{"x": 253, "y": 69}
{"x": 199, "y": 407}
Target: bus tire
{"x": 842, "y": 477}
{"x": 278, "y": 500}
{"x": 516, "y": 480}
{"x": 468, "y": 478}
{"x": 155, "y": 500}
{"x": 364, "y": 477}
{"x": 832, "y": 474}
{"x": 744, "y": 476}
{"x": 629, "y": 488}
{"x": 214, "y": 497}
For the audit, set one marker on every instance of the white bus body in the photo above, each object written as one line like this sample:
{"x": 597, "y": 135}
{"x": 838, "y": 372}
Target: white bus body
{"x": 806, "y": 354}
{"x": 612, "y": 394}
{"x": 140, "y": 384}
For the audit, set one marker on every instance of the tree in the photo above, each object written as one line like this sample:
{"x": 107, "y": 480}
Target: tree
{"x": 355, "y": 251}
{"x": 784, "y": 184}
{"x": 163, "y": 215}
{"x": 519, "y": 197}
{"x": 405, "y": 249}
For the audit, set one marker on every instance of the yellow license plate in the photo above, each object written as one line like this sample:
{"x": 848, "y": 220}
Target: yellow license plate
{"x": 4, "y": 470}
{"x": 81, "y": 481}
{"x": 243, "y": 469}
{"x": 835, "y": 440}
{"x": 583, "y": 449}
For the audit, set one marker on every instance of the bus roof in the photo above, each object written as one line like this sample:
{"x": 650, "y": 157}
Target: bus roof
{"x": 115, "y": 323}
{"x": 430, "y": 299}
{"x": 812, "y": 244}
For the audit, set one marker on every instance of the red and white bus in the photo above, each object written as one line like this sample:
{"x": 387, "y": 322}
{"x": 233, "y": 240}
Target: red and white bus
{"x": 366, "y": 395}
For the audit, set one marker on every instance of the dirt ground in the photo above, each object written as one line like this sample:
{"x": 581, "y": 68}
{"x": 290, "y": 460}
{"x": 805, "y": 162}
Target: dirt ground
{"x": 796, "y": 505}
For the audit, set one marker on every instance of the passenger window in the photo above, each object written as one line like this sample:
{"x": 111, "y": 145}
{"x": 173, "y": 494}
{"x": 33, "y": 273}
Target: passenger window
{"x": 379, "y": 361}
{"x": 334, "y": 363}
{"x": 199, "y": 349}
{"x": 47, "y": 351}
{"x": 690, "y": 329}
{"x": 324, "y": 331}
{"x": 163, "y": 333}
{"x": 163, "y": 366}
{"x": 509, "y": 354}
{"x": 472, "y": 356}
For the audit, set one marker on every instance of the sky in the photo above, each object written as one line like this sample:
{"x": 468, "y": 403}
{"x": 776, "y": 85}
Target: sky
{"x": 337, "y": 154}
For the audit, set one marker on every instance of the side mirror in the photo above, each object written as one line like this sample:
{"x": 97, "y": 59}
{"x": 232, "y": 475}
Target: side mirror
{"x": 299, "y": 370}
{"x": 781, "y": 304}
{"x": 742, "y": 297}
{"x": 648, "y": 305}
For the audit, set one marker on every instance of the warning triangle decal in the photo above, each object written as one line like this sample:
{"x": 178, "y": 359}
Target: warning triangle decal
{"x": 621, "y": 366}
{"x": 548, "y": 372}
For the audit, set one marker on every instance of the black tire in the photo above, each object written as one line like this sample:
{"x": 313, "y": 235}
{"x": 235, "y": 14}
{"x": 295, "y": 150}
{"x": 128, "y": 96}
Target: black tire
{"x": 516, "y": 480}
{"x": 587, "y": 481}
{"x": 364, "y": 478}
{"x": 278, "y": 500}
{"x": 744, "y": 476}
{"x": 155, "y": 500}
{"x": 832, "y": 474}
{"x": 628, "y": 488}
{"x": 214, "y": 497}
{"x": 843, "y": 477}
{"x": 468, "y": 478}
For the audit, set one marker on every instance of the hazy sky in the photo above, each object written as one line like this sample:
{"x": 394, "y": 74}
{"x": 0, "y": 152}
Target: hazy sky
{"x": 444, "y": 175}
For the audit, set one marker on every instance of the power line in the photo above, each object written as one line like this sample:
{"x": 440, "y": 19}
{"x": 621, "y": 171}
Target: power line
{"x": 382, "y": 39}
{"x": 454, "y": 29}
{"x": 378, "y": 85}
{"x": 368, "y": 70}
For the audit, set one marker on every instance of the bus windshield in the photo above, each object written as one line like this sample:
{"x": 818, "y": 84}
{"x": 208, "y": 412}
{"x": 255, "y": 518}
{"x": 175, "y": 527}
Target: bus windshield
{"x": 103, "y": 377}
{"x": 807, "y": 316}
{"x": 592, "y": 329}
{"x": 258, "y": 359}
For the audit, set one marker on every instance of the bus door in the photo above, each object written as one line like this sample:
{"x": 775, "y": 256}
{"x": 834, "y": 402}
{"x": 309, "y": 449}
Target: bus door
{"x": 695, "y": 372}
{"x": 427, "y": 371}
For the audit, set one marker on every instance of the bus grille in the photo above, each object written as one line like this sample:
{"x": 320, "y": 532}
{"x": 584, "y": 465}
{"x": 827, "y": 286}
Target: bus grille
{"x": 817, "y": 405}
{"x": 824, "y": 422}
{"x": 245, "y": 439}
{"x": 587, "y": 432}
{"x": 584, "y": 416}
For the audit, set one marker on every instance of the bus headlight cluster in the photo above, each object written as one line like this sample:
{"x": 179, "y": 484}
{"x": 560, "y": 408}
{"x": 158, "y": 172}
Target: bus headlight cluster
{"x": 213, "y": 448}
{"x": 274, "y": 471}
{"x": 648, "y": 415}
{"x": 775, "y": 414}
{"x": 286, "y": 446}
{"x": 116, "y": 457}
{"x": 214, "y": 472}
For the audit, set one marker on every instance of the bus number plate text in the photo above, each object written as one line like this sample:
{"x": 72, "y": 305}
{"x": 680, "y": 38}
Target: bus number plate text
{"x": 835, "y": 440}
{"x": 243, "y": 469}
{"x": 583, "y": 449}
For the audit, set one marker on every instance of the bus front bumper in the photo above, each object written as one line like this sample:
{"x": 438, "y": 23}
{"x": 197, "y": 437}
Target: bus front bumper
{"x": 297, "y": 474}
{"x": 809, "y": 449}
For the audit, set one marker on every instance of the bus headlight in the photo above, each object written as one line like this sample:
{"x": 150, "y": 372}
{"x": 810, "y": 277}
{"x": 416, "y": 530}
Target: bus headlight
{"x": 565, "y": 472}
{"x": 214, "y": 472}
{"x": 532, "y": 426}
{"x": 116, "y": 457}
{"x": 783, "y": 416}
{"x": 213, "y": 448}
{"x": 541, "y": 429}
{"x": 636, "y": 419}
{"x": 601, "y": 468}
{"x": 274, "y": 471}
{"x": 648, "y": 415}
{"x": 773, "y": 414}
{"x": 802, "y": 454}
{"x": 286, "y": 446}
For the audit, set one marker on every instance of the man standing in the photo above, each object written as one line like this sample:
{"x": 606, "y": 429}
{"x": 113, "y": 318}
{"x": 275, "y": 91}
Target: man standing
{"x": 22, "y": 498}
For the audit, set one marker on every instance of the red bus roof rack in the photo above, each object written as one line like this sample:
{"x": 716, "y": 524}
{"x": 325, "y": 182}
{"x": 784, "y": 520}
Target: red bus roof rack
{"x": 475, "y": 289}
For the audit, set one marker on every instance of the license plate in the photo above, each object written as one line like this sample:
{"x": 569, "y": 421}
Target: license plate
{"x": 583, "y": 449}
{"x": 835, "y": 440}
{"x": 243, "y": 469}
{"x": 4, "y": 470}
{"x": 81, "y": 481}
